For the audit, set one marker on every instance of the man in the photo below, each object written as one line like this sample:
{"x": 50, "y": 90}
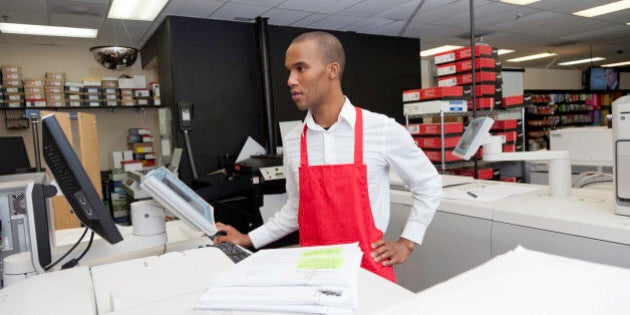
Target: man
{"x": 337, "y": 167}
{"x": 612, "y": 82}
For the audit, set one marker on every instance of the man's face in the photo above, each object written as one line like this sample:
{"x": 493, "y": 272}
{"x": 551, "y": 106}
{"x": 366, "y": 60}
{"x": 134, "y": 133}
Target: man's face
{"x": 308, "y": 74}
{"x": 611, "y": 75}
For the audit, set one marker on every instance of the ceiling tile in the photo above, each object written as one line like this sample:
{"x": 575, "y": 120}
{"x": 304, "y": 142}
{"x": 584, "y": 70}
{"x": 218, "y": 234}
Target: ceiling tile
{"x": 267, "y": 3}
{"x": 334, "y": 22}
{"x": 192, "y": 8}
{"x": 307, "y": 5}
{"x": 371, "y": 7}
{"x": 367, "y": 24}
{"x": 23, "y": 6}
{"x": 78, "y": 7}
{"x": 284, "y": 16}
{"x": 392, "y": 29}
{"x": 26, "y": 39}
{"x": 232, "y": 10}
{"x": 75, "y": 20}
{"x": 339, "y": 5}
{"x": 401, "y": 12}
{"x": 68, "y": 41}
{"x": 308, "y": 20}
{"x": 26, "y": 17}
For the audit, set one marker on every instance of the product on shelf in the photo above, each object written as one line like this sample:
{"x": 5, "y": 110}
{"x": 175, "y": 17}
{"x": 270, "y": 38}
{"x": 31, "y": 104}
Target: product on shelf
{"x": 466, "y": 78}
{"x": 141, "y": 144}
{"x": 435, "y": 106}
{"x": 483, "y": 103}
{"x": 482, "y": 173}
{"x": 481, "y": 64}
{"x": 464, "y": 53}
{"x": 436, "y": 156}
{"x": 424, "y": 142}
{"x": 433, "y": 93}
{"x": 435, "y": 129}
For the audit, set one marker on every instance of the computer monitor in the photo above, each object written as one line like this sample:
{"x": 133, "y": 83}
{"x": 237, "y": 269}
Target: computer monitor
{"x": 180, "y": 200}
{"x": 14, "y": 158}
{"x": 475, "y": 135}
{"x": 76, "y": 186}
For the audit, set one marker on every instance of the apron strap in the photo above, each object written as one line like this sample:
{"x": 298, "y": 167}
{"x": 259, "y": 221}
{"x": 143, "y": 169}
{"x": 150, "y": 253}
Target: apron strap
{"x": 358, "y": 140}
{"x": 358, "y": 137}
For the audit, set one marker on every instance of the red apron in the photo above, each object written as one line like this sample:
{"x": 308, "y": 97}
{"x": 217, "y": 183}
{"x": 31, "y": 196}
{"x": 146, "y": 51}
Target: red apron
{"x": 335, "y": 205}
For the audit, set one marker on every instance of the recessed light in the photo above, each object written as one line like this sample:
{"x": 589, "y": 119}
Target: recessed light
{"x": 504, "y": 51}
{"x": 617, "y": 64}
{"x": 603, "y": 9}
{"x": 575, "y": 62}
{"x": 532, "y": 57}
{"x": 46, "y": 30}
{"x": 141, "y": 10}
{"x": 437, "y": 50}
{"x": 519, "y": 2}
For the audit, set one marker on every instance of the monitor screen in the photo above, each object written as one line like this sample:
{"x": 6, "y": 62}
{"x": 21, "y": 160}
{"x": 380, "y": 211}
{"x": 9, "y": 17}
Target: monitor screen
{"x": 76, "y": 186}
{"x": 473, "y": 137}
{"x": 14, "y": 158}
{"x": 603, "y": 78}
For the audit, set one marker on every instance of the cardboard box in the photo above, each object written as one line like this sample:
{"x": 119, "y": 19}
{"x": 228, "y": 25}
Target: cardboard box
{"x": 435, "y": 129}
{"x": 128, "y": 102}
{"x": 108, "y": 91}
{"x": 444, "y": 92}
{"x": 55, "y": 103}
{"x": 11, "y": 69}
{"x": 466, "y": 78}
{"x": 14, "y": 96}
{"x": 435, "y": 106}
{"x": 126, "y": 83}
{"x": 34, "y": 90}
{"x": 9, "y": 89}
{"x": 91, "y": 90}
{"x": 141, "y": 93}
{"x": 14, "y": 104}
{"x": 143, "y": 102}
{"x": 92, "y": 97}
{"x": 112, "y": 103}
{"x": 74, "y": 103}
{"x": 71, "y": 87}
{"x": 109, "y": 82}
{"x": 466, "y": 66}
{"x": 482, "y": 103}
{"x": 139, "y": 131}
{"x": 93, "y": 103}
{"x": 484, "y": 90}
{"x": 34, "y": 82}
{"x": 507, "y": 124}
{"x": 11, "y": 76}
{"x": 56, "y": 76}
{"x": 35, "y": 103}
{"x": 74, "y": 97}
{"x": 126, "y": 93}
{"x": 53, "y": 89}
{"x": 513, "y": 101}
{"x": 54, "y": 82}
{"x": 436, "y": 142}
{"x": 12, "y": 83}
{"x": 483, "y": 173}
{"x": 463, "y": 53}
{"x": 91, "y": 82}
{"x": 131, "y": 165}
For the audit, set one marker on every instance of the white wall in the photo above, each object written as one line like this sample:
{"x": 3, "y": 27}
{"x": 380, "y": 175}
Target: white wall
{"x": 77, "y": 63}
{"x": 552, "y": 79}
{"x": 624, "y": 80}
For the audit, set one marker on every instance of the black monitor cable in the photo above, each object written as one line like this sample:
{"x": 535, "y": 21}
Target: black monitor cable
{"x": 68, "y": 252}
{"x": 75, "y": 261}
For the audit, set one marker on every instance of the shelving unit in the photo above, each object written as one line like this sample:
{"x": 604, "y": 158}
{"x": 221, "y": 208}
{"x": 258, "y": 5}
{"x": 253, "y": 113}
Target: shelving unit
{"x": 443, "y": 166}
{"x": 554, "y": 109}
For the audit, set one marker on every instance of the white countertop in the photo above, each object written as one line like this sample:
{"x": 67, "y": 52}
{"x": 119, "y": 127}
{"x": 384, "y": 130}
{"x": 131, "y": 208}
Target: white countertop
{"x": 586, "y": 213}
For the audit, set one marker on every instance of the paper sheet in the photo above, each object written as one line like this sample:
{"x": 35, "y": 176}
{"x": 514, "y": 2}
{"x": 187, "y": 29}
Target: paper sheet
{"x": 250, "y": 148}
{"x": 487, "y": 192}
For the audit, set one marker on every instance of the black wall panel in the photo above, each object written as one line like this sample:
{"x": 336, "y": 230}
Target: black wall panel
{"x": 215, "y": 65}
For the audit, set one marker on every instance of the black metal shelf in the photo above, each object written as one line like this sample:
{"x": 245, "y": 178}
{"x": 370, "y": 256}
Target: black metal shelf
{"x": 79, "y": 107}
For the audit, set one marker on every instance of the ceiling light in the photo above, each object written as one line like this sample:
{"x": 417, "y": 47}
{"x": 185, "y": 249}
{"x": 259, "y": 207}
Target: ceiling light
{"x": 143, "y": 10}
{"x": 45, "y": 30}
{"x": 575, "y": 62}
{"x": 437, "y": 50}
{"x": 504, "y": 51}
{"x": 519, "y": 2}
{"x": 624, "y": 63}
{"x": 603, "y": 9}
{"x": 531, "y": 57}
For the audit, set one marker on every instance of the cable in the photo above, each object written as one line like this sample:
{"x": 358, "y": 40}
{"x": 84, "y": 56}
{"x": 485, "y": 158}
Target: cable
{"x": 75, "y": 261}
{"x": 68, "y": 252}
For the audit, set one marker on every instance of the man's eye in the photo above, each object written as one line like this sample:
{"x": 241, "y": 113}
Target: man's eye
{"x": 300, "y": 69}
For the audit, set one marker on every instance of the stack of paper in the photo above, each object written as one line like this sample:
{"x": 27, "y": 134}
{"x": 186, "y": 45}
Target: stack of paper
{"x": 320, "y": 279}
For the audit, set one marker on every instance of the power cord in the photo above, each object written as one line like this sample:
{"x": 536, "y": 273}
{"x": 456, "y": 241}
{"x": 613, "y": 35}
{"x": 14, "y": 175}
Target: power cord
{"x": 68, "y": 252}
{"x": 75, "y": 261}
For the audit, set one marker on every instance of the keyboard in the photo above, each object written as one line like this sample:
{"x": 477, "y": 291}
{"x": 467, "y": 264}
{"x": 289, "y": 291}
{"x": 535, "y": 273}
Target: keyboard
{"x": 234, "y": 252}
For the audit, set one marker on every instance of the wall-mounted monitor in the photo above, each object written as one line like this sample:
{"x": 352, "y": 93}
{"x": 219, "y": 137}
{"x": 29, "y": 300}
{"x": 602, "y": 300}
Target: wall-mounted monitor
{"x": 600, "y": 78}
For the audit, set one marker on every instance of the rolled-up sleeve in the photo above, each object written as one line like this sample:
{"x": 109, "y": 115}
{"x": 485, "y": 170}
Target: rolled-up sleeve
{"x": 419, "y": 174}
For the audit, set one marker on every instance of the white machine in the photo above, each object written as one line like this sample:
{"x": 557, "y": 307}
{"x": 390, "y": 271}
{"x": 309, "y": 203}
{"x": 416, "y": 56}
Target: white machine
{"x": 477, "y": 134}
{"x": 621, "y": 154}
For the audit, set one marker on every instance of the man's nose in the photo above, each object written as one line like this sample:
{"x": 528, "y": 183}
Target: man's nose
{"x": 291, "y": 81}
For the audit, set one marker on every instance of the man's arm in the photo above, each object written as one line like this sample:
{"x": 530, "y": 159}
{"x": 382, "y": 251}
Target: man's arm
{"x": 425, "y": 184}
{"x": 281, "y": 224}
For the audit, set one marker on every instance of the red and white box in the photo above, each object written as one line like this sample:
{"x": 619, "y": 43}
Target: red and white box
{"x": 462, "y": 53}
{"x": 466, "y": 78}
{"x": 436, "y": 142}
{"x": 482, "y": 173}
{"x": 465, "y": 66}
{"x": 442, "y": 92}
{"x": 508, "y": 124}
{"x": 510, "y": 136}
{"x": 436, "y": 156}
{"x": 482, "y": 103}
{"x": 435, "y": 129}
{"x": 511, "y": 101}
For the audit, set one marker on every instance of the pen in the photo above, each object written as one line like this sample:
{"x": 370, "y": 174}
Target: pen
{"x": 471, "y": 194}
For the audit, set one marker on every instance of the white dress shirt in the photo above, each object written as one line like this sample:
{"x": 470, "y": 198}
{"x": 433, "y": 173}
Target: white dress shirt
{"x": 386, "y": 144}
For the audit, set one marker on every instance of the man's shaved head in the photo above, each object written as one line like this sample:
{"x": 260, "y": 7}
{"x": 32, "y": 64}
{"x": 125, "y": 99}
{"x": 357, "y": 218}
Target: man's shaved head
{"x": 328, "y": 45}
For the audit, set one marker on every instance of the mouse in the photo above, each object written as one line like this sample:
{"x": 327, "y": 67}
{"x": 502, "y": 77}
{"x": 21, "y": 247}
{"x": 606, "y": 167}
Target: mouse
{"x": 217, "y": 234}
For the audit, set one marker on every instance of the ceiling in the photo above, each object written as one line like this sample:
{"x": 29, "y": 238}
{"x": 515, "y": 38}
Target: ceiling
{"x": 543, "y": 26}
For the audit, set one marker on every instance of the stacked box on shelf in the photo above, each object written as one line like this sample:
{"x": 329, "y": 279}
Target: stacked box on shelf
{"x": 126, "y": 97}
{"x": 54, "y": 89}
{"x": 435, "y": 99}
{"x": 482, "y": 173}
{"x": 142, "y": 96}
{"x": 454, "y": 68}
{"x": 110, "y": 91}
{"x": 141, "y": 144}
{"x": 509, "y": 129}
{"x": 92, "y": 92}
{"x": 74, "y": 94}
{"x": 34, "y": 95}
{"x": 120, "y": 203}
{"x": 13, "y": 91}
{"x": 428, "y": 138}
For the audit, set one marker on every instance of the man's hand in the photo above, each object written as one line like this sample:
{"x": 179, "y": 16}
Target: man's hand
{"x": 232, "y": 235}
{"x": 391, "y": 253}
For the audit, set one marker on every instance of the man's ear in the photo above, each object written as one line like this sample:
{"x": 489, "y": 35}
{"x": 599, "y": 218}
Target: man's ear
{"x": 333, "y": 70}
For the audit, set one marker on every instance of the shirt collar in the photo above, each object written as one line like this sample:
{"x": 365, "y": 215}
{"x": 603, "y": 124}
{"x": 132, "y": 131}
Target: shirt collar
{"x": 347, "y": 115}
